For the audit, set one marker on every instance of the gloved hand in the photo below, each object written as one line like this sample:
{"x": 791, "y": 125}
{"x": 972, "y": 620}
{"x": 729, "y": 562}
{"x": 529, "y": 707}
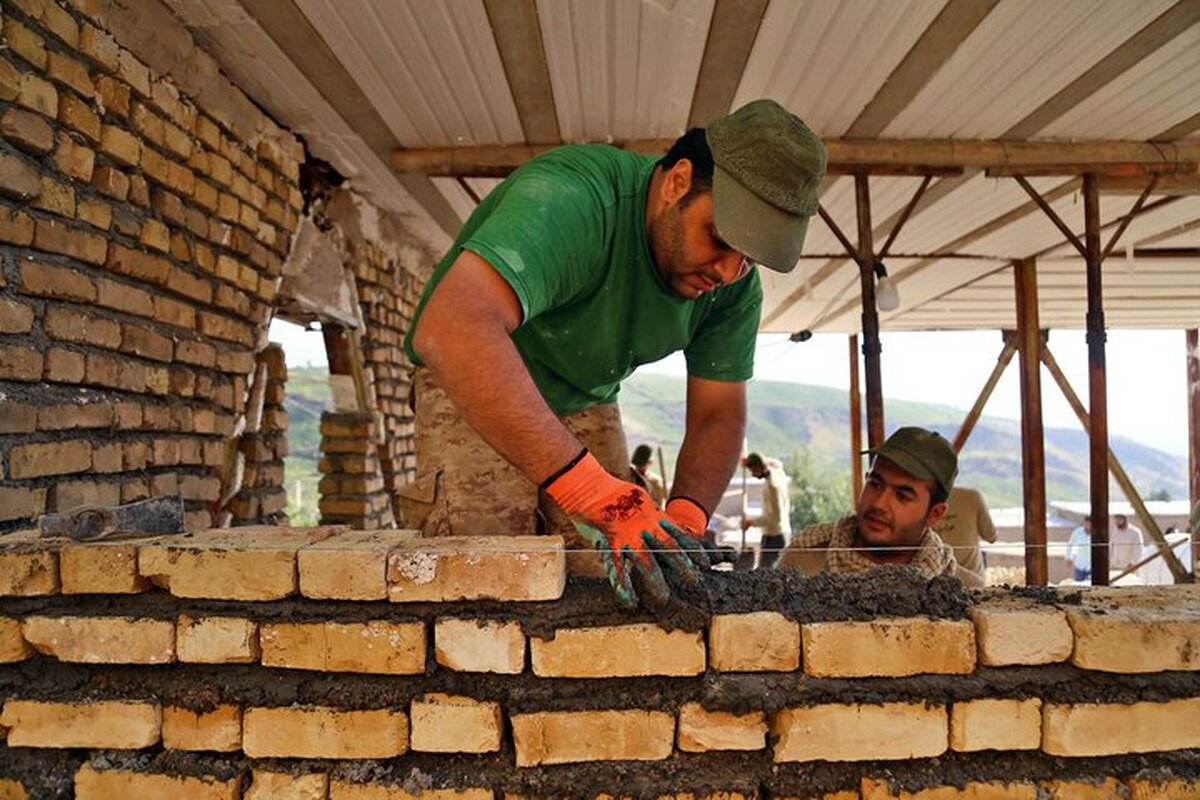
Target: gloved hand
{"x": 688, "y": 516}
{"x": 621, "y": 521}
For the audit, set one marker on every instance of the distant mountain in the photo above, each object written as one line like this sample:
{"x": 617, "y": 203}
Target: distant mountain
{"x": 792, "y": 421}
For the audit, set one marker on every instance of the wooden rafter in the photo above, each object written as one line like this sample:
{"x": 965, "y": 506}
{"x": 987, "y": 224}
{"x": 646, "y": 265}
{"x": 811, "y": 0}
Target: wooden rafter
{"x": 283, "y": 21}
{"x": 855, "y": 156}
{"x": 731, "y": 35}
{"x": 518, "y": 36}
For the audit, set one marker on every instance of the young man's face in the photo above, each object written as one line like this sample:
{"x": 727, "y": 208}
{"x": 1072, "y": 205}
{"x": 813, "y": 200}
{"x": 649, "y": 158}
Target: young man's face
{"x": 894, "y": 508}
{"x": 691, "y": 257}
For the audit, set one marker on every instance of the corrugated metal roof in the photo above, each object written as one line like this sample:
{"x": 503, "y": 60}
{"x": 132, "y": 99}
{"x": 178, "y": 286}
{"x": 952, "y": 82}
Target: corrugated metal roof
{"x": 439, "y": 74}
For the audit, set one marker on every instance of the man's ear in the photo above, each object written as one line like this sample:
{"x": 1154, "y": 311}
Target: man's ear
{"x": 936, "y": 513}
{"x": 677, "y": 182}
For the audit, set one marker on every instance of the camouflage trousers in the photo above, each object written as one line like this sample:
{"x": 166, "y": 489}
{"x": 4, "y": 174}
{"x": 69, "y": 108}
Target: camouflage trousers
{"x": 465, "y": 488}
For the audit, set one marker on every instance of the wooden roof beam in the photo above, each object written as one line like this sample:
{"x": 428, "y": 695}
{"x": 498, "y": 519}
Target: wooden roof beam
{"x": 857, "y": 156}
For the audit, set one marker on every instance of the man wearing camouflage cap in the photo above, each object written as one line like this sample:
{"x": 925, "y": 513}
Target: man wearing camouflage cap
{"x": 903, "y": 497}
{"x": 585, "y": 263}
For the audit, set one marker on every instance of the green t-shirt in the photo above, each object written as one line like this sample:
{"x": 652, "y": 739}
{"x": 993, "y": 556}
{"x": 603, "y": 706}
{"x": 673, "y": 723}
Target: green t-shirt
{"x": 567, "y": 231}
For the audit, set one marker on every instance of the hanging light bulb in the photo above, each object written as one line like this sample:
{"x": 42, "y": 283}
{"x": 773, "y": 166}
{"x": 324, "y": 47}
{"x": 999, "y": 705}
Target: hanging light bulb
{"x": 886, "y": 296}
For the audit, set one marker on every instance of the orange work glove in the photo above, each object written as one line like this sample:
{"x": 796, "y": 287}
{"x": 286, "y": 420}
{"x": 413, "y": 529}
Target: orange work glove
{"x": 621, "y": 521}
{"x": 688, "y": 516}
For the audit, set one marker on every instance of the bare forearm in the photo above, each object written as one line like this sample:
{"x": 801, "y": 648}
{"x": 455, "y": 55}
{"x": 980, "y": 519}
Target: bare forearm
{"x": 464, "y": 338}
{"x": 710, "y": 451}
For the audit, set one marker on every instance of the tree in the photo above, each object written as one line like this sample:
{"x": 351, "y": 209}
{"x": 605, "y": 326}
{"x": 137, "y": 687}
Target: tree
{"x": 817, "y": 494}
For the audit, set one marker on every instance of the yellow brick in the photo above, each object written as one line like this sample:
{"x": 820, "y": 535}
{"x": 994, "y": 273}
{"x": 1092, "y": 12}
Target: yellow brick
{"x": 564, "y": 737}
{"x": 346, "y": 790}
{"x": 93, "y": 784}
{"x": 701, "y": 731}
{"x": 217, "y": 640}
{"x": 27, "y": 566}
{"x": 875, "y": 789}
{"x": 617, "y": 651}
{"x": 512, "y": 568}
{"x": 100, "y": 568}
{"x": 1097, "y": 789}
{"x": 379, "y": 647}
{"x": 121, "y": 145}
{"x": 219, "y": 730}
{"x": 443, "y": 723}
{"x": 113, "y": 724}
{"x": 252, "y": 563}
{"x": 317, "y": 732}
{"x": 1164, "y": 789}
{"x": 349, "y": 566}
{"x": 102, "y": 640}
{"x": 761, "y": 641}
{"x": 13, "y": 646}
{"x": 1013, "y": 630}
{"x": 12, "y": 790}
{"x": 1152, "y": 629}
{"x": 888, "y": 648}
{"x": 886, "y": 732}
{"x": 468, "y": 645}
{"x": 996, "y": 724}
{"x": 51, "y": 458}
{"x": 1093, "y": 729}
{"x": 287, "y": 786}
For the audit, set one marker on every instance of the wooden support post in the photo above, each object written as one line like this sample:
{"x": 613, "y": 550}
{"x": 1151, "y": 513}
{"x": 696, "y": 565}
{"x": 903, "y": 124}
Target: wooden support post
{"x": 856, "y": 470}
{"x": 871, "y": 346}
{"x": 1192, "y": 339}
{"x": 345, "y": 359}
{"x": 1193, "y": 394}
{"x": 985, "y": 394}
{"x": 1149, "y": 525}
{"x": 1033, "y": 457}
{"x": 1097, "y": 381}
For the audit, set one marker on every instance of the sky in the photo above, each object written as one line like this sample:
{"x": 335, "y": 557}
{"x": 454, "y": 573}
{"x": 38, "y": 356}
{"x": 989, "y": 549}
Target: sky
{"x": 1147, "y": 379}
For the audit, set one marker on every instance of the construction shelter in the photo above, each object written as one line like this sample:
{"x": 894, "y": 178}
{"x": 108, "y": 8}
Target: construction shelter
{"x": 174, "y": 174}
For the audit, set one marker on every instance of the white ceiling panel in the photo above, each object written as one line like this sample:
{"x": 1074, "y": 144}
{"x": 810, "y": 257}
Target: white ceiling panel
{"x": 623, "y": 69}
{"x": 1156, "y": 94}
{"x": 431, "y": 70}
{"x": 826, "y": 60}
{"x": 1021, "y": 55}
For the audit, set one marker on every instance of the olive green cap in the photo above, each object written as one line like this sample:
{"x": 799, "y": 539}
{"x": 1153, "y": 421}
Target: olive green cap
{"x": 767, "y": 166}
{"x": 923, "y": 454}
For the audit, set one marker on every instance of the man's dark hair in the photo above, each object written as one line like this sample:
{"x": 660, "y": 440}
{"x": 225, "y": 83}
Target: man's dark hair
{"x": 641, "y": 455}
{"x": 936, "y": 495}
{"x": 693, "y": 146}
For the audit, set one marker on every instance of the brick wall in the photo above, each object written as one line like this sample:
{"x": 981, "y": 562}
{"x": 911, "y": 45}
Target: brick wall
{"x": 146, "y": 208}
{"x": 231, "y": 665}
{"x": 141, "y": 236}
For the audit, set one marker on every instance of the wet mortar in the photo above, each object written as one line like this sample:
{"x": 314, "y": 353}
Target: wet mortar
{"x": 884, "y": 593}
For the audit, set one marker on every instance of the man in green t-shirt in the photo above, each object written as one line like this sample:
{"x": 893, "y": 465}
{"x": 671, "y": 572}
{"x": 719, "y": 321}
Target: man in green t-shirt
{"x": 585, "y": 263}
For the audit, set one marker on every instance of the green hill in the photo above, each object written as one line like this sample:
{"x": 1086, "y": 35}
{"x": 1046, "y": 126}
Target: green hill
{"x": 808, "y": 425}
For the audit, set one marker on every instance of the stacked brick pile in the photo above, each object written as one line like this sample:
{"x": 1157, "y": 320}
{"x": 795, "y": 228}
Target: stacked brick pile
{"x": 352, "y": 487}
{"x": 263, "y": 495}
{"x": 141, "y": 236}
{"x": 443, "y": 680}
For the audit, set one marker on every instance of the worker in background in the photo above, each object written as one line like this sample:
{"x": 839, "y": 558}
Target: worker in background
{"x": 586, "y": 262}
{"x": 775, "y": 521}
{"x": 967, "y": 521}
{"x": 641, "y": 474}
{"x": 1125, "y": 543}
{"x": 1079, "y": 551}
{"x": 903, "y": 498}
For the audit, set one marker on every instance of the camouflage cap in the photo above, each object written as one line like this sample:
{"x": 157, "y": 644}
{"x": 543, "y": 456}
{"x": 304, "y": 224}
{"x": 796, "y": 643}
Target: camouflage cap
{"x": 767, "y": 166}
